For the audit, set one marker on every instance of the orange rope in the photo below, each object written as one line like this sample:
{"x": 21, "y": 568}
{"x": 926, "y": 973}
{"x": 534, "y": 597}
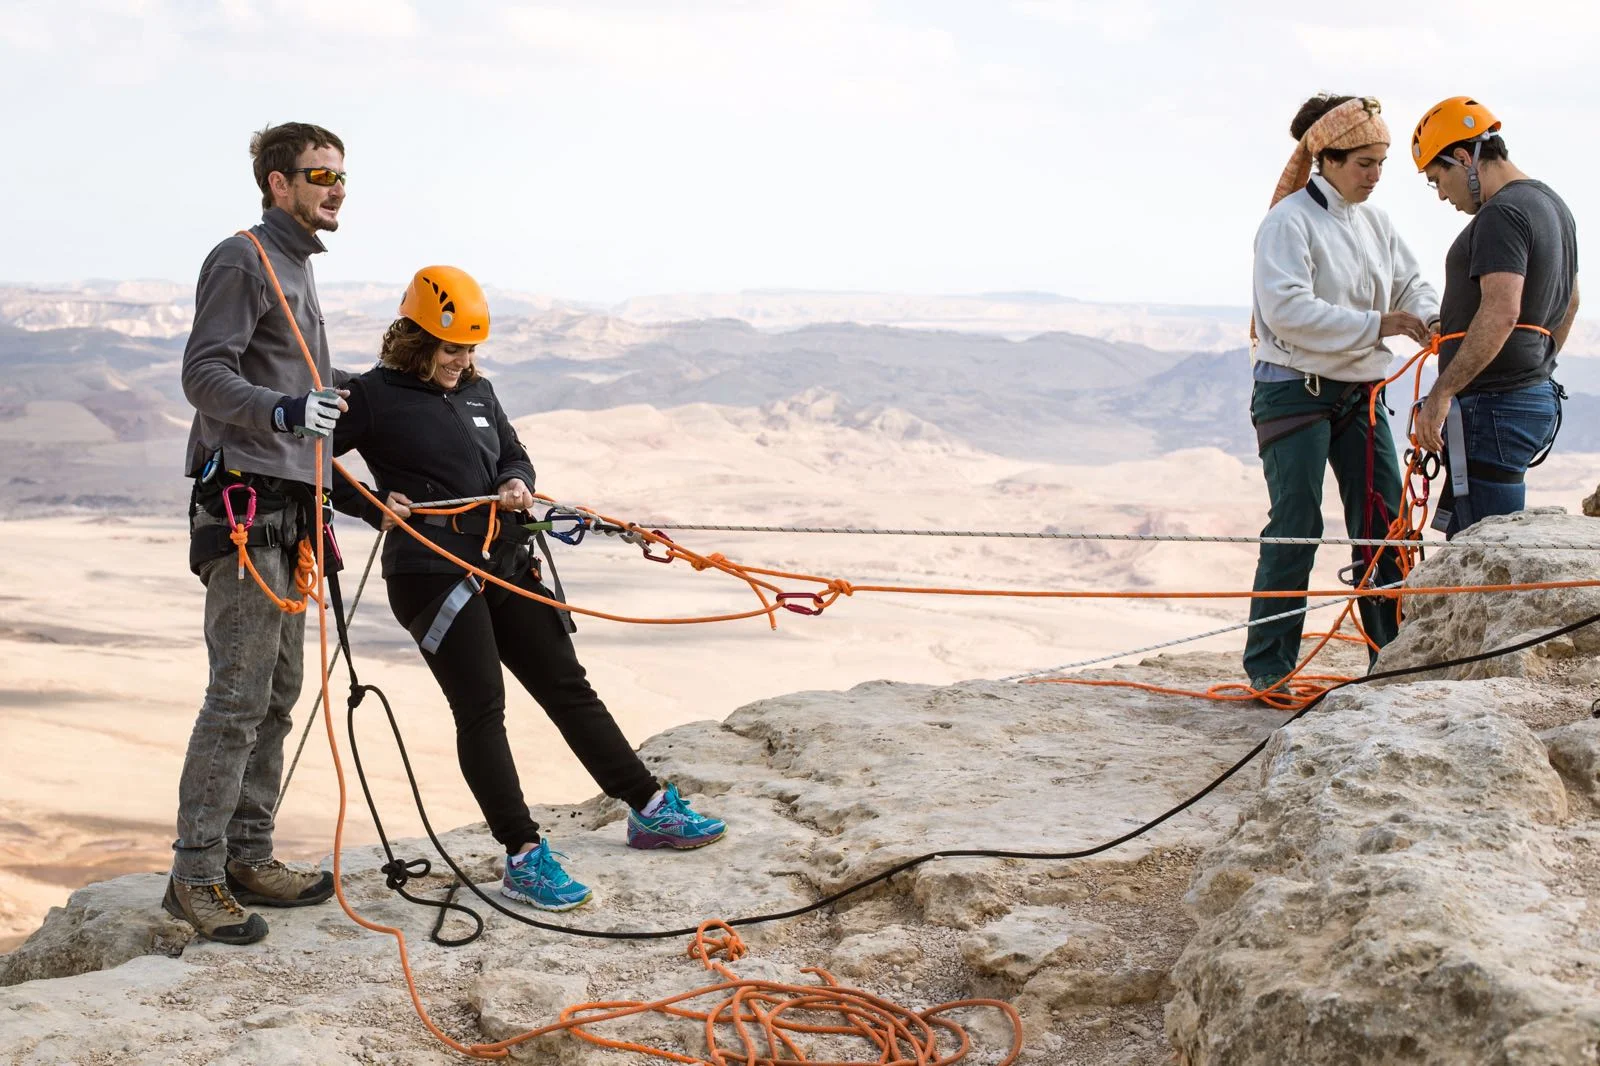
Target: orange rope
{"x": 493, "y": 520}
{"x": 327, "y": 704}
{"x": 756, "y": 1011}
{"x": 833, "y": 588}
{"x": 893, "y": 1030}
{"x": 305, "y": 571}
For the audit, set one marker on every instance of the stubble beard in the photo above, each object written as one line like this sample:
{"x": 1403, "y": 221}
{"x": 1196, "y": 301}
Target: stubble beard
{"x": 307, "y": 215}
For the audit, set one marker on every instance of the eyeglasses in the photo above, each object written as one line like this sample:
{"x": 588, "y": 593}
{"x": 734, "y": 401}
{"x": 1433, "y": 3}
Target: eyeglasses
{"x": 325, "y": 176}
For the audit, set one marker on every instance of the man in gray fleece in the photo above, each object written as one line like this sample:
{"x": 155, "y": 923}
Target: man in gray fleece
{"x": 252, "y": 448}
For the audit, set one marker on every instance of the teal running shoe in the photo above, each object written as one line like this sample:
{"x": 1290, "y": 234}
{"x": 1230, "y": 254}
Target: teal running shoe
{"x": 536, "y": 878}
{"x": 673, "y": 825}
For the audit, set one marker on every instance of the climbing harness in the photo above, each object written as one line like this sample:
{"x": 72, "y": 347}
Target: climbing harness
{"x": 1455, "y": 502}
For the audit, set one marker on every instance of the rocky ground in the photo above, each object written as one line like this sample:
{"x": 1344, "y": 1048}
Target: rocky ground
{"x": 1408, "y": 874}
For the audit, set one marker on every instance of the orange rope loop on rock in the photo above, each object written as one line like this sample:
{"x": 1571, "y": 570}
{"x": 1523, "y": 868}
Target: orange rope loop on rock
{"x": 762, "y": 1018}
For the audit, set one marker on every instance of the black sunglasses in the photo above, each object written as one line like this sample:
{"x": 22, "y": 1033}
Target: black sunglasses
{"x": 320, "y": 175}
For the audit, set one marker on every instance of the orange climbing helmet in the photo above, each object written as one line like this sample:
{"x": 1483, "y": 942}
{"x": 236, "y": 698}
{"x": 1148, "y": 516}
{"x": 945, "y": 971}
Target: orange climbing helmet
{"x": 445, "y": 301}
{"x": 1460, "y": 118}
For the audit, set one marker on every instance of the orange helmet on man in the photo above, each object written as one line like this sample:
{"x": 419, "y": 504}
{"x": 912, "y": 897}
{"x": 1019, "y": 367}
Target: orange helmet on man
{"x": 1460, "y": 118}
{"x": 448, "y": 303}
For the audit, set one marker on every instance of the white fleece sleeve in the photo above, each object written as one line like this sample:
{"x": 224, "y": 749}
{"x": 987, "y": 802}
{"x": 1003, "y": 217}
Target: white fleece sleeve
{"x": 1290, "y": 306}
{"x": 1410, "y": 292}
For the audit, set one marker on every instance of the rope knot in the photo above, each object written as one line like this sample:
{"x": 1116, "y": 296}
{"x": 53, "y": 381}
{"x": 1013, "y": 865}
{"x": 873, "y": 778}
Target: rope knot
{"x": 397, "y": 873}
{"x": 842, "y": 587}
{"x": 716, "y": 559}
{"x": 705, "y": 947}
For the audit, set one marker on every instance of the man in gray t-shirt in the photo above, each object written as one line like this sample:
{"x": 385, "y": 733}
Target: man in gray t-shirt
{"x": 1511, "y": 293}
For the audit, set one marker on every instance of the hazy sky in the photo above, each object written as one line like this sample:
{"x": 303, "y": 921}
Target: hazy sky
{"x": 1120, "y": 150}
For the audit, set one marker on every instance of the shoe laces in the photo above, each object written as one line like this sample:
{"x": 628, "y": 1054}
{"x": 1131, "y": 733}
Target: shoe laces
{"x": 673, "y": 808}
{"x": 544, "y": 862}
{"x": 225, "y": 899}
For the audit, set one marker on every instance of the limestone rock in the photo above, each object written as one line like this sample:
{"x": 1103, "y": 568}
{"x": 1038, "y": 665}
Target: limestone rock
{"x": 103, "y": 925}
{"x": 872, "y": 955}
{"x": 1591, "y": 504}
{"x": 1071, "y": 987}
{"x": 1398, "y": 891}
{"x": 1575, "y": 753}
{"x": 512, "y": 1002}
{"x": 292, "y": 1046}
{"x": 1029, "y": 938}
{"x": 1441, "y": 627}
{"x": 819, "y": 789}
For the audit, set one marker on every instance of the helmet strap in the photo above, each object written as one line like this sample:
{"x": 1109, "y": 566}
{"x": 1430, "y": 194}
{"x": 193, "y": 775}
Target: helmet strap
{"x": 1473, "y": 182}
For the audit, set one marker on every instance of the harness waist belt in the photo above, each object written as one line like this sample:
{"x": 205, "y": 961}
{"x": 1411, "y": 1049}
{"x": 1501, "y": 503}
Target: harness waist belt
{"x": 210, "y": 542}
{"x": 1275, "y": 429}
{"x": 472, "y": 524}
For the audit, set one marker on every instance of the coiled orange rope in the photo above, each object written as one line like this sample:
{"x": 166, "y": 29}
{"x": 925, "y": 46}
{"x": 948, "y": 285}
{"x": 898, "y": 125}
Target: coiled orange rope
{"x": 765, "y": 1017}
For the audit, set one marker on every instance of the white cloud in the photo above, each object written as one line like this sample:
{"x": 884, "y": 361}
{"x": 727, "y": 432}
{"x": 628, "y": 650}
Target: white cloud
{"x": 358, "y": 18}
{"x": 1115, "y": 20}
{"x": 28, "y": 30}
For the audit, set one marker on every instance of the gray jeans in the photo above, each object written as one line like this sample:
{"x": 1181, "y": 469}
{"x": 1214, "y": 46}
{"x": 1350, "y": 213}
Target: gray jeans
{"x": 228, "y": 794}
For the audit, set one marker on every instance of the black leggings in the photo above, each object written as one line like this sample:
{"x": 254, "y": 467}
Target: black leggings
{"x": 529, "y": 638}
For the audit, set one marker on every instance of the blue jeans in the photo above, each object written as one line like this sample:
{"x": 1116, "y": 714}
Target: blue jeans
{"x": 1504, "y": 431}
{"x": 228, "y": 792}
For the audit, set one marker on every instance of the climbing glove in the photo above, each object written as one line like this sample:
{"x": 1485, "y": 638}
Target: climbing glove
{"x": 312, "y": 415}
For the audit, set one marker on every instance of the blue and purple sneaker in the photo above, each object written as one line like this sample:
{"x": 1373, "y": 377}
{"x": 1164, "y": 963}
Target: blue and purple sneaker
{"x": 536, "y": 878}
{"x": 673, "y": 824}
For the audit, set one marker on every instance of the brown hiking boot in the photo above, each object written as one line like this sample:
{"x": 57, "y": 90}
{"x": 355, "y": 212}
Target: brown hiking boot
{"x": 278, "y": 885}
{"x": 213, "y": 912}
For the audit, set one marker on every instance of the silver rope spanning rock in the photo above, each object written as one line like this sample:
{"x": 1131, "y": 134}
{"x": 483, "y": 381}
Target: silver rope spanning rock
{"x": 1177, "y": 538}
{"x": 1189, "y": 640}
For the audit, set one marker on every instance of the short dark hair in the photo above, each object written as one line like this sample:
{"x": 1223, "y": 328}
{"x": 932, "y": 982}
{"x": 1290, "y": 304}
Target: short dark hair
{"x": 1307, "y": 116}
{"x": 1491, "y": 149}
{"x": 278, "y": 148}
{"x": 410, "y": 349}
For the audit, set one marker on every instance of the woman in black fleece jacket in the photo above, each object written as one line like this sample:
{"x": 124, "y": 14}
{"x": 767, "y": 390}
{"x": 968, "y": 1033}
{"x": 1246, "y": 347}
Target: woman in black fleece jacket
{"x": 429, "y": 427}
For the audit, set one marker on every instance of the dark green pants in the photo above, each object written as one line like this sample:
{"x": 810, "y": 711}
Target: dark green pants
{"x": 1294, "y": 470}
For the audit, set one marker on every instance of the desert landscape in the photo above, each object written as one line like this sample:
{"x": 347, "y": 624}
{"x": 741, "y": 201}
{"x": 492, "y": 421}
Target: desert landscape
{"x": 798, "y": 422}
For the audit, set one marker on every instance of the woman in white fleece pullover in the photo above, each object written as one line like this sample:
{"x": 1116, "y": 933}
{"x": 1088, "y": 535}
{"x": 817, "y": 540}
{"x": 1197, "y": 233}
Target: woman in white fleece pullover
{"x": 1332, "y": 281}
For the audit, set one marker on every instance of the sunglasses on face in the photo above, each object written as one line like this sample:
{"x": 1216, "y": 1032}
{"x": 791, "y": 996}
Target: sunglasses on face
{"x": 325, "y": 176}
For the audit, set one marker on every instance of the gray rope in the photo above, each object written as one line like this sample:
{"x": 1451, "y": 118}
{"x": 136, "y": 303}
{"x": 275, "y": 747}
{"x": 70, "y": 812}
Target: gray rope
{"x": 1180, "y": 538}
{"x": 460, "y": 501}
{"x": 1198, "y": 636}
{"x": 311, "y": 719}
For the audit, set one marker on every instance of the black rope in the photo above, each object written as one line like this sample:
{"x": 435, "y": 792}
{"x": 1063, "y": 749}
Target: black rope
{"x": 401, "y": 872}
{"x": 395, "y": 872}
{"x": 311, "y": 719}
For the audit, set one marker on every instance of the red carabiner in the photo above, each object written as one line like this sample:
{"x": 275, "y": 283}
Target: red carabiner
{"x": 647, "y": 545}
{"x": 227, "y": 505}
{"x": 816, "y": 607}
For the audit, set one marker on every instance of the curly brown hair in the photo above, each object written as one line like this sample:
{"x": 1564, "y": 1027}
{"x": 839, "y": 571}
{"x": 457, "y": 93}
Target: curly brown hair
{"x": 410, "y": 349}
